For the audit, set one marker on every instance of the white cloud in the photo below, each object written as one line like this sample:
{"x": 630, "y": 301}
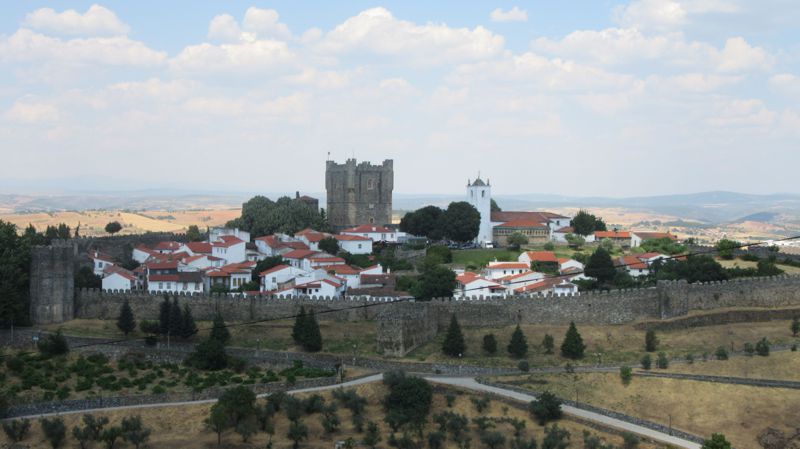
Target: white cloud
{"x": 32, "y": 112}
{"x": 378, "y": 31}
{"x": 264, "y": 23}
{"x": 28, "y": 46}
{"x": 259, "y": 56}
{"x": 629, "y": 46}
{"x": 786, "y": 82}
{"x": 652, "y": 14}
{"x": 96, "y": 21}
{"x": 514, "y": 14}
{"x": 224, "y": 28}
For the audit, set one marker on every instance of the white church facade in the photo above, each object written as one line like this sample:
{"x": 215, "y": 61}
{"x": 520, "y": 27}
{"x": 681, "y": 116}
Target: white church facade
{"x": 495, "y": 227}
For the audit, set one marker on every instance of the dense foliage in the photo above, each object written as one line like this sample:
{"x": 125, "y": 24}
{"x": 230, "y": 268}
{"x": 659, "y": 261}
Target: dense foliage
{"x": 573, "y": 346}
{"x": 435, "y": 281}
{"x": 454, "y": 344}
{"x": 518, "y": 346}
{"x": 262, "y": 216}
{"x": 584, "y": 223}
{"x": 459, "y": 222}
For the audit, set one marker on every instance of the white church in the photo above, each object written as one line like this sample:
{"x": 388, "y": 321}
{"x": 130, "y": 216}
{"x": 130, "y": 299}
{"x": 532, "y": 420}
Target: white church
{"x": 497, "y": 226}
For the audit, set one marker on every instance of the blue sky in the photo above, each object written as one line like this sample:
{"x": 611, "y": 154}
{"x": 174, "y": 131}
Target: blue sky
{"x": 617, "y": 98}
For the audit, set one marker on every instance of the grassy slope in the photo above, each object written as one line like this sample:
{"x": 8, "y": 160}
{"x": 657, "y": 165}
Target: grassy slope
{"x": 183, "y": 426}
{"x": 740, "y": 412}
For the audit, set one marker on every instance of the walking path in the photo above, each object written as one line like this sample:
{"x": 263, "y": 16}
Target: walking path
{"x": 472, "y": 384}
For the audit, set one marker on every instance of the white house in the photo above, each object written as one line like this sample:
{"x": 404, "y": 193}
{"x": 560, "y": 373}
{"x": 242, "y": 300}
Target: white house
{"x": 167, "y": 247}
{"x": 230, "y": 248}
{"x": 497, "y": 270}
{"x": 354, "y": 244}
{"x": 100, "y": 261}
{"x": 524, "y": 279}
{"x": 141, "y": 253}
{"x": 232, "y": 276}
{"x": 187, "y": 282}
{"x": 195, "y": 248}
{"x": 299, "y": 258}
{"x": 117, "y": 278}
{"x": 544, "y": 257}
{"x": 470, "y": 284}
{"x": 323, "y": 260}
{"x": 271, "y": 245}
{"x": 311, "y": 238}
{"x": 216, "y": 234}
{"x": 639, "y": 237}
{"x": 375, "y": 233}
{"x": 560, "y": 234}
{"x": 321, "y": 287}
{"x": 565, "y": 288}
{"x": 565, "y": 264}
{"x": 277, "y": 277}
{"x": 633, "y": 265}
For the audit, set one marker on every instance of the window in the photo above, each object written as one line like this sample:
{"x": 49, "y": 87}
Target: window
{"x": 483, "y": 194}
{"x": 371, "y": 220}
{"x": 359, "y": 246}
{"x": 197, "y": 286}
{"x": 370, "y": 184}
{"x": 160, "y": 285}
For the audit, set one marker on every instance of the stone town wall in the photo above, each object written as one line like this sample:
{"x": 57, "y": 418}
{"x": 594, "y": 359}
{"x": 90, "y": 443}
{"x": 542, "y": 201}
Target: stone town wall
{"x": 52, "y": 282}
{"x": 404, "y": 327}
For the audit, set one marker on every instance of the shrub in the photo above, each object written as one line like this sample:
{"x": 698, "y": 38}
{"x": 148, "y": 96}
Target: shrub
{"x": 762, "y": 347}
{"x": 573, "y": 347}
{"x": 662, "y": 362}
{"x": 546, "y": 408}
{"x": 134, "y": 432}
{"x": 16, "y": 429}
{"x": 690, "y": 358}
{"x": 490, "y": 344}
{"x": 626, "y": 374}
{"x": 450, "y": 398}
{"x": 548, "y": 343}
{"x": 518, "y": 346}
{"x": 555, "y": 438}
{"x": 453, "y": 344}
{"x": 524, "y": 366}
{"x": 717, "y": 441}
{"x": 629, "y": 441}
{"x": 493, "y": 440}
{"x": 721, "y": 353}
{"x": 480, "y": 403}
{"x": 650, "y": 341}
{"x": 749, "y": 349}
{"x": 436, "y": 439}
{"x": 549, "y": 246}
{"x": 647, "y": 362}
{"x": 54, "y": 430}
{"x": 53, "y": 345}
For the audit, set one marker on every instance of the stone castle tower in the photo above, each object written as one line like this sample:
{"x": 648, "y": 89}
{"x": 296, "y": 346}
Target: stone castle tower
{"x": 52, "y": 282}
{"x": 479, "y": 194}
{"x": 359, "y": 193}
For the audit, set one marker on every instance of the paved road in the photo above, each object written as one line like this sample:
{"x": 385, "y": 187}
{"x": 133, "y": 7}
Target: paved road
{"x": 351, "y": 383}
{"x": 472, "y": 384}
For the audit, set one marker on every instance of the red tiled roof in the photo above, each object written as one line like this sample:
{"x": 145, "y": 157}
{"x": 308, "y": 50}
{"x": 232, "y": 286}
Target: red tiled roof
{"x": 522, "y": 224}
{"x": 274, "y": 269}
{"x": 612, "y": 234}
{"x": 515, "y": 276}
{"x": 163, "y": 278}
{"x": 113, "y": 269}
{"x": 167, "y": 246}
{"x": 218, "y": 274}
{"x": 506, "y": 216}
{"x": 271, "y": 240}
{"x": 566, "y": 230}
{"x": 542, "y": 256}
{"x": 631, "y": 262}
{"x": 343, "y": 269}
{"x": 227, "y": 241}
{"x": 368, "y": 229}
{"x": 100, "y": 256}
{"x": 649, "y": 255}
{"x": 300, "y": 254}
{"x": 655, "y": 235}
{"x": 165, "y": 265}
{"x": 295, "y": 245}
{"x": 199, "y": 247}
{"x": 327, "y": 259}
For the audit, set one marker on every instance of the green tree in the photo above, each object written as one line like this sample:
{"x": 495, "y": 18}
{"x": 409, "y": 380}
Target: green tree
{"x": 725, "y": 248}
{"x": 134, "y": 432}
{"x": 424, "y": 222}
{"x": 650, "y": 341}
{"x": 409, "y": 401}
{"x": 516, "y": 240}
{"x": 493, "y": 440}
{"x": 193, "y": 234}
{"x": 572, "y": 347}
{"x": 163, "y": 315}
{"x": 696, "y": 268}
{"x": 53, "y": 345}
{"x": 518, "y": 345}
{"x": 494, "y": 207}
{"x": 298, "y": 330}
{"x": 85, "y": 278}
{"x": 575, "y": 240}
{"x": 435, "y": 281}
{"x": 490, "y": 344}
{"x": 110, "y": 435}
{"x": 795, "y": 326}
{"x": 113, "y": 227}
{"x": 264, "y": 265}
{"x": 91, "y": 431}
{"x": 555, "y": 438}
{"x": 548, "y": 343}
{"x": 717, "y": 441}
{"x": 546, "y": 408}
{"x": 54, "y": 430}
{"x": 441, "y": 252}
{"x": 584, "y": 223}
{"x": 16, "y": 429}
{"x": 188, "y": 326}
{"x": 297, "y": 433}
{"x": 14, "y": 274}
{"x": 600, "y": 266}
{"x": 217, "y": 421}
{"x": 312, "y": 337}
{"x": 373, "y": 435}
{"x": 247, "y": 428}
{"x": 629, "y": 441}
{"x": 453, "y": 344}
{"x": 647, "y": 362}
{"x": 125, "y": 321}
{"x": 662, "y": 362}
{"x": 239, "y": 402}
{"x": 626, "y": 374}
{"x": 219, "y": 330}
{"x": 329, "y": 245}
{"x": 209, "y": 355}
{"x": 762, "y": 347}
{"x": 461, "y": 222}
{"x": 262, "y": 216}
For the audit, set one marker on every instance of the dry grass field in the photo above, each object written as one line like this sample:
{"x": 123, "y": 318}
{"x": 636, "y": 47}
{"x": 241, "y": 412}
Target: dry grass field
{"x": 182, "y": 426}
{"x": 779, "y": 365}
{"x": 701, "y": 408}
{"x": 788, "y": 269}
{"x": 93, "y": 222}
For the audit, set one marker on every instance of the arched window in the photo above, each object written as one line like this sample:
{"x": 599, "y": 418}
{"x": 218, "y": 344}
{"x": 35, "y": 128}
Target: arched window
{"x": 483, "y": 194}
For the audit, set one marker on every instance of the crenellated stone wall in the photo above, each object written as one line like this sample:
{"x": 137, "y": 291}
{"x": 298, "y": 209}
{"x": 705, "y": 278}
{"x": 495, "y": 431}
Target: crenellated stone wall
{"x": 52, "y": 282}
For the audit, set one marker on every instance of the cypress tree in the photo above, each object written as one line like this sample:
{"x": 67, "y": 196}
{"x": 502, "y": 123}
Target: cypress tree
{"x": 299, "y": 326}
{"x": 219, "y": 331}
{"x": 188, "y": 327}
{"x": 163, "y": 315}
{"x": 175, "y": 319}
{"x": 453, "y": 344}
{"x": 518, "y": 346}
{"x": 125, "y": 322}
{"x": 312, "y": 337}
{"x": 572, "y": 347}
{"x": 650, "y": 341}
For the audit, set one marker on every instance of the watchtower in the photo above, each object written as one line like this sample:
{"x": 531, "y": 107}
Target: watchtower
{"x": 52, "y": 282}
{"x": 359, "y": 193}
{"x": 479, "y": 194}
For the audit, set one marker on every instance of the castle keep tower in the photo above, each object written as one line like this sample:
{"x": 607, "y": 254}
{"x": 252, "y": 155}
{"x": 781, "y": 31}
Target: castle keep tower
{"x": 52, "y": 281}
{"x": 359, "y": 193}
{"x": 479, "y": 194}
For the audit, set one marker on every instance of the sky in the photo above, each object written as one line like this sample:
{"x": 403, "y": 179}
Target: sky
{"x": 594, "y": 97}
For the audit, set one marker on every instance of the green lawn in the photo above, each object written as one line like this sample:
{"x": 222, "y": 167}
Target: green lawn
{"x": 478, "y": 258}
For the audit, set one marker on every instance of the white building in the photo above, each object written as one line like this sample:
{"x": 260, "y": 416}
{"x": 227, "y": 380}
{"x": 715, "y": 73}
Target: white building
{"x": 117, "y": 278}
{"x": 354, "y": 244}
{"x": 496, "y": 270}
{"x": 321, "y": 287}
{"x": 100, "y": 262}
{"x": 470, "y": 284}
{"x": 215, "y": 234}
{"x": 375, "y": 233}
{"x": 141, "y": 253}
{"x": 479, "y": 195}
{"x": 230, "y": 248}
{"x": 189, "y": 282}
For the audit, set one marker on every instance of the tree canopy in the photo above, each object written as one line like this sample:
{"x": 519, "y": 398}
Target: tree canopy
{"x": 113, "y": 227}
{"x": 459, "y": 222}
{"x": 585, "y": 223}
{"x": 262, "y": 216}
{"x": 435, "y": 281}
{"x": 600, "y": 266}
